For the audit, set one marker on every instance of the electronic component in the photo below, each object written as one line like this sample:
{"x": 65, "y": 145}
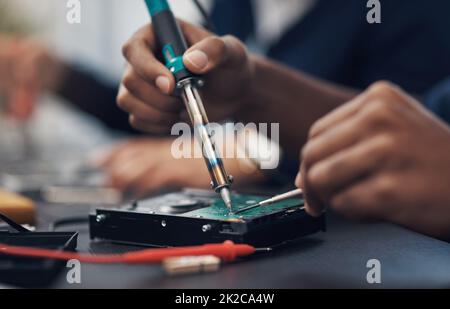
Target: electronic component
{"x": 159, "y": 222}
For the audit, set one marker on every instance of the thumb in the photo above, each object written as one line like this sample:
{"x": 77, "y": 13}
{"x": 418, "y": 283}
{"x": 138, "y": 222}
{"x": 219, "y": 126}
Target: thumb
{"x": 299, "y": 181}
{"x": 312, "y": 205}
{"x": 213, "y": 52}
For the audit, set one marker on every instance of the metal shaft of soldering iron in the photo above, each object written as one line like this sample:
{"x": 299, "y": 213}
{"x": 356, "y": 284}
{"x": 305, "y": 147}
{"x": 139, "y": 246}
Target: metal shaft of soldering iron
{"x": 173, "y": 46}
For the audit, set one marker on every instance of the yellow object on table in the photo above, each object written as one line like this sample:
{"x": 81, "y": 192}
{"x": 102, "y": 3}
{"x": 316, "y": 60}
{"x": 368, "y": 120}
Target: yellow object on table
{"x": 20, "y": 209}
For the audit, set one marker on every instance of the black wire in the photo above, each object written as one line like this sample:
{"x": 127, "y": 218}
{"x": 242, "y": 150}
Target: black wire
{"x": 209, "y": 23}
{"x": 13, "y": 224}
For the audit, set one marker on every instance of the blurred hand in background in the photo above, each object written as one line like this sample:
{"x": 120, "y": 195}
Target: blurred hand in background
{"x": 26, "y": 70}
{"x": 143, "y": 166}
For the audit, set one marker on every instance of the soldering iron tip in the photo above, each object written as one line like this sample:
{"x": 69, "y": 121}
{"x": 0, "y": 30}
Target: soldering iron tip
{"x": 226, "y": 196}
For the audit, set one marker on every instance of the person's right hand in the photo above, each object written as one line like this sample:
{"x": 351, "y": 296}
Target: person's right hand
{"x": 147, "y": 85}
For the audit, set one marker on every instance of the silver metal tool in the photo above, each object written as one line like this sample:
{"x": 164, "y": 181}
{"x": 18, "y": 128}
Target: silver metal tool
{"x": 273, "y": 200}
{"x": 173, "y": 46}
{"x": 220, "y": 180}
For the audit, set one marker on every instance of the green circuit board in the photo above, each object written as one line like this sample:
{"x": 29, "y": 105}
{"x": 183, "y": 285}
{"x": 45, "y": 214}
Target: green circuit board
{"x": 218, "y": 210}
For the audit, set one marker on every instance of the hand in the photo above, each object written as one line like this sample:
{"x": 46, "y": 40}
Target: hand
{"x": 380, "y": 157}
{"x": 26, "y": 70}
{"x": 147, "y": 85}
{"x": 142, "y": 166}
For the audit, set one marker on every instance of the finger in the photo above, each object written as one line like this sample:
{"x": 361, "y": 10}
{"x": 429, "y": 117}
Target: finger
{"x": 313, "y": 205}
{"x": 21, "y": 102}
{"x": 359, "y": 201}
{"x": 134, "y": 106}
{"x": 126, "y": 170}
{"x": 165, "y": 175}
{"x": 149, "y": 93}
{"x": 125, "y": 152}
{"x": 348, "y": 166}
{"x": 145, "y": 126}
{"x": 338, "y": 115}
{"x": 150, "y": 181}
{"x": 105, "y": 157}
{"x": 213, "y": 52}
{"x": 122, "y": 179}
{"x": 193, "y": 33}
{"x": 140, "y": 53}
{"x": 337, "y": 137}
{"x": 299, "y": 180}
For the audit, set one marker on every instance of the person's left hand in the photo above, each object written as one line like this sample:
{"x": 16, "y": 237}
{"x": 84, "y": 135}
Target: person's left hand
{"x": 380, "y": 157}
{"x": 142, "y": 166}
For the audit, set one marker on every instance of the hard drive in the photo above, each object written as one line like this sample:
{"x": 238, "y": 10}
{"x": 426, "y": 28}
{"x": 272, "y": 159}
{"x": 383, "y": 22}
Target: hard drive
{"x": 194, "y": 217}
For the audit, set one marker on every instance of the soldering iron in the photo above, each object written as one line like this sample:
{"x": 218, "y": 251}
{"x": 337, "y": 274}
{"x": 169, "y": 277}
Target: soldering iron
{"x": 173, "y": 46}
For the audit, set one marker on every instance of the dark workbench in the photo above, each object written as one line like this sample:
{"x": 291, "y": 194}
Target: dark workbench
{"x": 334, "y": 259}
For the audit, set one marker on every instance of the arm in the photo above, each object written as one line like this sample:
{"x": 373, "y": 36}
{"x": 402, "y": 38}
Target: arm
{"x": 295, "y": 100}
{"x": 95, "y": 97}
{"x": 238, "y": 85}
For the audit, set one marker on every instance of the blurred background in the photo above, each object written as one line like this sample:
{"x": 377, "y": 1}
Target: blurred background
{"x": 97, "y": 41}
{"x": 52, "y": 145}
{"x": 62, "y": 129}
{"x": 59, "y": 123}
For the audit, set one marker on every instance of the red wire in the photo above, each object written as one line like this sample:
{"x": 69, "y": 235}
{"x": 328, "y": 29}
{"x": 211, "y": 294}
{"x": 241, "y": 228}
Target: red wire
{"x": 227, "y": 251}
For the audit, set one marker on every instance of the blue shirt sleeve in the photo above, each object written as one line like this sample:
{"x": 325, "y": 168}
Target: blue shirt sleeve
{"x": 438, "y": 101}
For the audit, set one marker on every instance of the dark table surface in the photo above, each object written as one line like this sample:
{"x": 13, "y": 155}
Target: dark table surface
{"x": 334, "y": 259}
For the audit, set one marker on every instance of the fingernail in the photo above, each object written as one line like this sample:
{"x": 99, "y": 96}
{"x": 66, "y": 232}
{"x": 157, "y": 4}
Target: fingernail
{"x": 298, "y": 180}
{"x": 309, "y": 211}
{"x": 198, "y": 59}
{"x": 163, "y": 83}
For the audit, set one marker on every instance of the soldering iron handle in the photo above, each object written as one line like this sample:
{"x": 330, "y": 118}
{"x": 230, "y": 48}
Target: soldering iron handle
{"x": 169, "y": 36}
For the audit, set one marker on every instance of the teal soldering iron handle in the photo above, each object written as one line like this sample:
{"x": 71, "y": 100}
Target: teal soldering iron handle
{"x": 170, "y": 38}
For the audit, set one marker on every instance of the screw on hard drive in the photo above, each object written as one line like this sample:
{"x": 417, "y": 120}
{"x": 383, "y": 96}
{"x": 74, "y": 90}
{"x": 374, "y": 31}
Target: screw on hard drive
{"x": 206, "y": 228}
{"x": 100, "y": 218}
